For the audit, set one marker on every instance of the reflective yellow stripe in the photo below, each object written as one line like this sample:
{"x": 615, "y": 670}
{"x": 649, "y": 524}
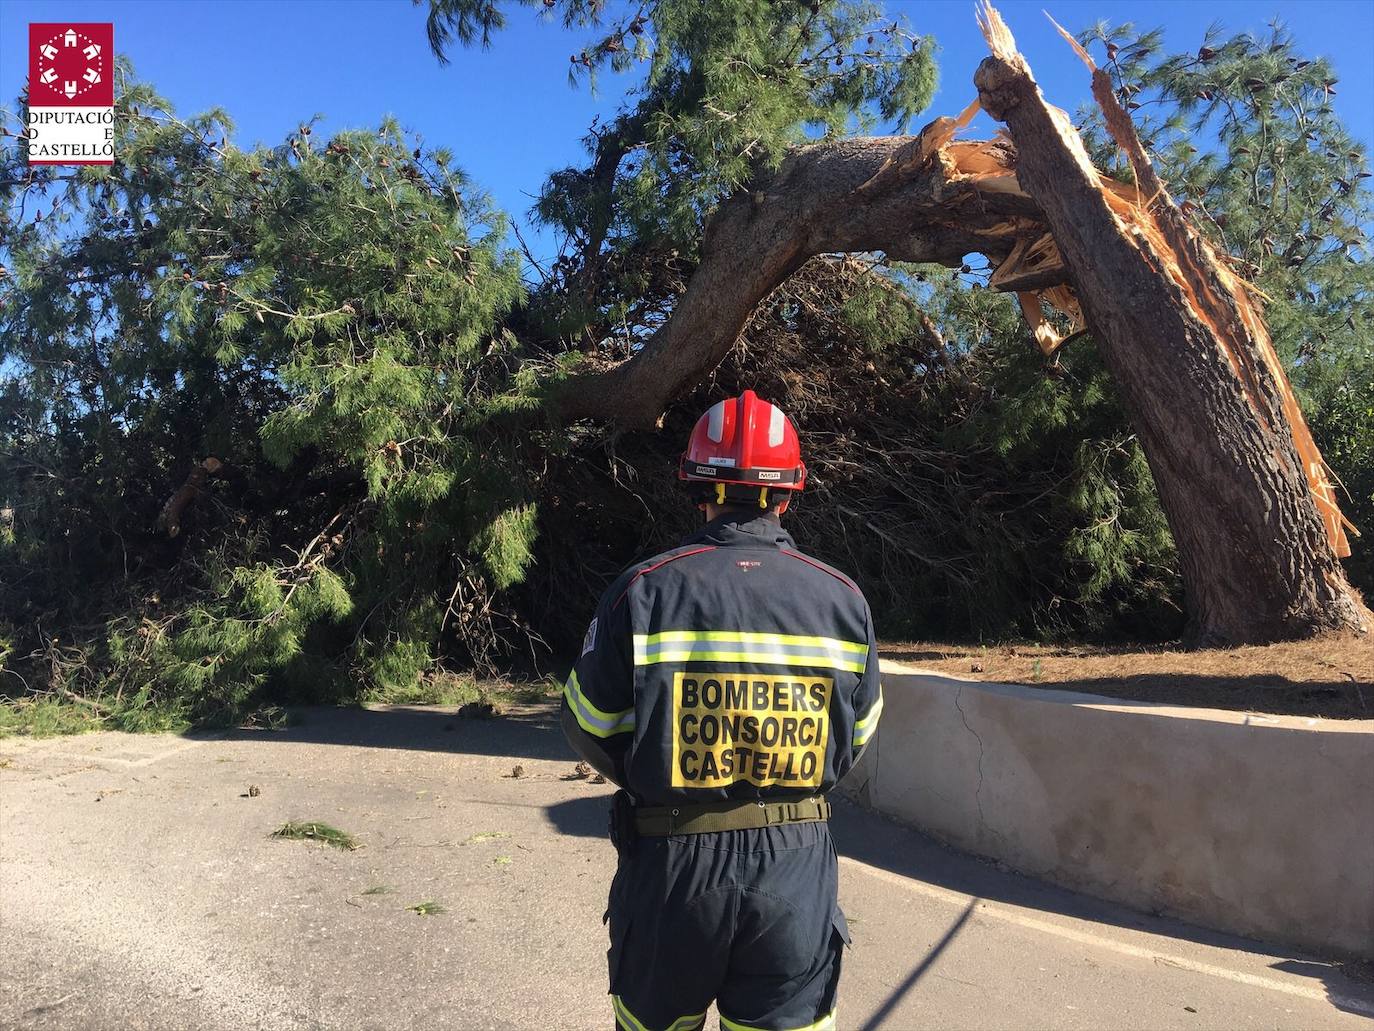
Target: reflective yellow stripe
{"x": 863, "y": 730}
{"x": 826, "y": 1023}
{"x": 590, "y": 718}
{"x": 749, "y": 637}
{"x": 758, "y": 658}
{"x": 624, "y": 1018}
{"x": 747, "y": 646}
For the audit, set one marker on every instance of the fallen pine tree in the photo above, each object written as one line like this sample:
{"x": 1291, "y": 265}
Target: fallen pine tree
{"x": 1248, "y": 498}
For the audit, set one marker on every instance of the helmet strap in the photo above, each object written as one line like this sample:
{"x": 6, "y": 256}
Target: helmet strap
{"x": 738, "y": 495}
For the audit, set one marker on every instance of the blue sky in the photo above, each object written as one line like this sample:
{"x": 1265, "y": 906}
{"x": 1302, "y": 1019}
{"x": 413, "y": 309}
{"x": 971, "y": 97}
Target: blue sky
{"x": 509, "y": 115}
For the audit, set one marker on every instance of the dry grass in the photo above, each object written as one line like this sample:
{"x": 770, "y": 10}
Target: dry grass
{"x": 482, "y": 698}
{"x": 1331, "y": 676}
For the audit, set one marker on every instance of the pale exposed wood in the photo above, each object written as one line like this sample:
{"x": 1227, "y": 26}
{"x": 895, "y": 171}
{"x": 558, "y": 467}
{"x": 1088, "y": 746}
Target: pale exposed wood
{"x": 1034, "y": 264}
{"x": 169, "y": 519}
{"x": 1237, "y": 314}
{"x": 1046, "y": 337}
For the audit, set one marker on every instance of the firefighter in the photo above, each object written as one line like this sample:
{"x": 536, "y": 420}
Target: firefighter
{"x": 725, "y": 686}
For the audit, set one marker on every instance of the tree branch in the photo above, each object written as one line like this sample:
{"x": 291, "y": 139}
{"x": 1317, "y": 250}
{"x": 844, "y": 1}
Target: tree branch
{"x": 824, "y": 198}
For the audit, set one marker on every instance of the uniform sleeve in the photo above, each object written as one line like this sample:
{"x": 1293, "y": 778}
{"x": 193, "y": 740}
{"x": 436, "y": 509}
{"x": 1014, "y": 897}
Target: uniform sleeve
{"x": 598, "y": 713}
{"x": 868, "y": 696}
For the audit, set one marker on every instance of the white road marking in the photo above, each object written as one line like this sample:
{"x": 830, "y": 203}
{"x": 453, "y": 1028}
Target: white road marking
{"x": 1013, "y": 916}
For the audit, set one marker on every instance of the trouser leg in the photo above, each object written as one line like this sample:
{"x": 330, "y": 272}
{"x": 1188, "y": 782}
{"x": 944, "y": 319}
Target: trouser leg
{"x": 789, "y": 941}
{"x": 670, "y": 935}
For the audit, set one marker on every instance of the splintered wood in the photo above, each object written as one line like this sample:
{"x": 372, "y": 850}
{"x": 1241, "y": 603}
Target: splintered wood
{"x": 1035, "y": 271}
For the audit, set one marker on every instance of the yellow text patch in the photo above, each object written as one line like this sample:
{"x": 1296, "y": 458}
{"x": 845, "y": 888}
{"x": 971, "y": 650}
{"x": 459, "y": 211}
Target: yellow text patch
{"x": 767, "y": 730}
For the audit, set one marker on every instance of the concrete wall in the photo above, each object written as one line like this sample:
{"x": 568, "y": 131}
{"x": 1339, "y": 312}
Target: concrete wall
{"x": 1258, "y": 825}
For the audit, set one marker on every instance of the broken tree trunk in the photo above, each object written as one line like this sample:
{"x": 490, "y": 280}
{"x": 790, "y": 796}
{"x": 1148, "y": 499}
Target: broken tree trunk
{"x": 900, "y": 195}
{"x": 1187, "y": 349}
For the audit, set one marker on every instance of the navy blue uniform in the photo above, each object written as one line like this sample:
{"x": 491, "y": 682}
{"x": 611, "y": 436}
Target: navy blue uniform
{"x": 730, "y": 668}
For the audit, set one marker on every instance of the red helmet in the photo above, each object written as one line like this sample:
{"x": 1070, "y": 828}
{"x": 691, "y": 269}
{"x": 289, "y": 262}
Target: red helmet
{"x": 746, "y": 447}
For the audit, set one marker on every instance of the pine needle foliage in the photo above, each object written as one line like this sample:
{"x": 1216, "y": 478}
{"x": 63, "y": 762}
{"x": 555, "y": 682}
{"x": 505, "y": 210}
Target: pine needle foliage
{"x": 311, "y": 830}
{"x": 1101, "y": 560}
{"x": 321, "y": 317}
{"x": 970, "y": 488}
{"x": 341, "y": 326}
{"x": 719, "y": 92}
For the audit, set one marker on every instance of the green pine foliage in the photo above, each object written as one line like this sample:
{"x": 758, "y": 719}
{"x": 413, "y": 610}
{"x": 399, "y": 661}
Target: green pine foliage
{"x": 1081, "y": 545}
{"x": 323, "y": 318}
{"x": 720, "y": 91}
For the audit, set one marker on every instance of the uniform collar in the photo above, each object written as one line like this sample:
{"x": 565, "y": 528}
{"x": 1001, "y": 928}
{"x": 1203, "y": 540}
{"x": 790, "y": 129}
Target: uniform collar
{"x": 742, "y": 529}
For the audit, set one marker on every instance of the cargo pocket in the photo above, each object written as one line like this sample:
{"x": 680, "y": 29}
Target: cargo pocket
{"x": 841, "y": 926}
{"x": 615, "y": 955}
{"x": 617, "y": 921}
{"x": 834, "y": 960}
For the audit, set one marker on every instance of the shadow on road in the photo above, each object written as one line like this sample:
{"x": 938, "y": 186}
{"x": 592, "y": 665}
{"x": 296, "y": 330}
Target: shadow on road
{"x": 587, "y": 817}
{"x": 532, "y": 732}
{"x": 909, "y": 982}
{"x": 524, "y": 732}
{"x": 884, "y": 844}
{"x": 1349, "y": 986}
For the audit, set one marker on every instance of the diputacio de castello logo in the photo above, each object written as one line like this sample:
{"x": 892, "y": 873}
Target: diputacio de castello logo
{"x": 70, "y": 118}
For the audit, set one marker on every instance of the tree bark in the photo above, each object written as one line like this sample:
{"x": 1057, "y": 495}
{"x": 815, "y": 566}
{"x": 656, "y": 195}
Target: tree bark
{"x": 169, "y": 518}
{"x": 899, "y": 195}
{"x": 1175, "y": 331}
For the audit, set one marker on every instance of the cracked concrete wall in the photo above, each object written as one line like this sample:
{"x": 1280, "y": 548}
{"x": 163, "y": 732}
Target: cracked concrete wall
{"x": 1257, "y": 825}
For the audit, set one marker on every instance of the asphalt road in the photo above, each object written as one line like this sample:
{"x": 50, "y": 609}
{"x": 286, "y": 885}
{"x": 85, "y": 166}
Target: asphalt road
{"x": 139, "y": 888}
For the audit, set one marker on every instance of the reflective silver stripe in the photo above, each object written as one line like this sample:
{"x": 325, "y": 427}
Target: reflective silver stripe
{"x": 627, "y": 1020}
{"x": 751, "y": 647}
{"x": 826, "y": 1023}
{"x": 651, "y": 652}
{"x": 623, "y": 1017}
{"x": 864, "y": 728}
{"x": 715, "y": 422}
{"x": 752, "y": 637}
{"x": 725, "y": 653}
{"x": 776, "y": 421}
{"x": 590, "y": 718}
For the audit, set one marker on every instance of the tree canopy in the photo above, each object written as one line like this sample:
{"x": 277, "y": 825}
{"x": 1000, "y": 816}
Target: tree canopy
{"x": 720, "y": 92}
